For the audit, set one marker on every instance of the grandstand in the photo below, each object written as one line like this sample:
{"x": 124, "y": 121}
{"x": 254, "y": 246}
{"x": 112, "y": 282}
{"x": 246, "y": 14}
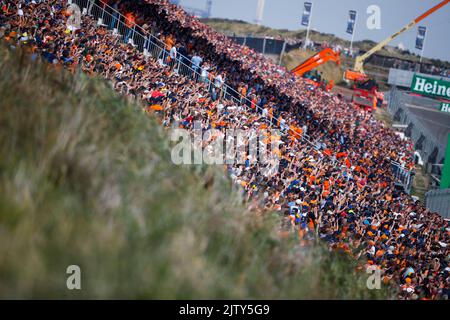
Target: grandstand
{"x": 335, "y": 180}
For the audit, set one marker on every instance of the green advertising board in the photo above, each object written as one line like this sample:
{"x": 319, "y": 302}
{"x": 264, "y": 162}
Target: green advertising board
{"x": 445, "y": 178}
{"x": 430, "y": 87}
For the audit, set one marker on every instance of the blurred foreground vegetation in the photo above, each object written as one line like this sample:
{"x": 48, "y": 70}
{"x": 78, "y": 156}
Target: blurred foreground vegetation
{"x": 86, "y": 179}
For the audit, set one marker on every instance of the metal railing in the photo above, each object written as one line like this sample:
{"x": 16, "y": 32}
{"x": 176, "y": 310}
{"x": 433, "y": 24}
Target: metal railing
{"x": 402, "y": 176}
{"x": 150, "y": 45}
{"x": 439, "y": 201}
{"x": 432, "y": 150}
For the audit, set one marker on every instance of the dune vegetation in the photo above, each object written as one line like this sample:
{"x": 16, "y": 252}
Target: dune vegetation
{"x": 86, "y": 179}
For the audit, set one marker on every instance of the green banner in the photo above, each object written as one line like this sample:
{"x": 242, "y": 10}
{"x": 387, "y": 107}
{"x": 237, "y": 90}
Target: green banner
{"x": 445, "y": 178}
{"x": 430, "y": 87}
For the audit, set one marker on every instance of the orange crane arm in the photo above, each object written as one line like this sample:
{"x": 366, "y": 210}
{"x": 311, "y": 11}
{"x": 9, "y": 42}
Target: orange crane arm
{"x": 317, "y": 60}
{"x": 359, "y": 61}
{"x": 435, "y": 8}
{"x": 315, "y": 57}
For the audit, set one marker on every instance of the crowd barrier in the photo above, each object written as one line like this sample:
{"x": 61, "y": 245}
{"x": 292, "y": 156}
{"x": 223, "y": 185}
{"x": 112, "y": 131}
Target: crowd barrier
{"x": 431, "y": 150}
{"x": 402, "y": 176}
{"x": 150, "y": 45}
{"x": 439, "y": 201}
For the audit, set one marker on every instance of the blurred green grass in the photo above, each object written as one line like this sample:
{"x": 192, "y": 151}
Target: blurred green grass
{"x": 86, "y": 179}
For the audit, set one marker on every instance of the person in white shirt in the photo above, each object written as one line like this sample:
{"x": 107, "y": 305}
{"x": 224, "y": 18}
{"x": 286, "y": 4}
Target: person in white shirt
{"x": 20, "y": 13}
{"x": 172, "y": 56}
{"x": 173, "y": 53}
{"x": 219, "y": 81}
{"x": 205, "y": 72}
{"x": 265, "y": 112}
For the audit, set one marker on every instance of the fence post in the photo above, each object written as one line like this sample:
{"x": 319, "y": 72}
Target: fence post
{"x": 130, "y": 39}
{"x": 90, "y": 5}
{"x": 146, "y": 43}
{"x": 116, "y": 28}
{"x": 178, "y": 63}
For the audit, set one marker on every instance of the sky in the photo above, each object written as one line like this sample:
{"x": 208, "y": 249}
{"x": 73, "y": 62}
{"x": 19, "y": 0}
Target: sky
{"x": 331, "y": 16}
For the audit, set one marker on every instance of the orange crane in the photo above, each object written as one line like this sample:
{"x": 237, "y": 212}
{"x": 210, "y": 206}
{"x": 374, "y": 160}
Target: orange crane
{"x": 366, "y": 90}
{"x": 303, "y": 70}
{"x": 316, "y": 60}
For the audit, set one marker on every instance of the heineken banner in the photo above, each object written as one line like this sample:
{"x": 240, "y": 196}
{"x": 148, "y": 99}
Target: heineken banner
{"x": 306, "y": 14}
{"x": 445, "y": 107}
{"x": 420, "y": 39}
{"x": 430, "y": 87}
{"x": 351, "y": 22}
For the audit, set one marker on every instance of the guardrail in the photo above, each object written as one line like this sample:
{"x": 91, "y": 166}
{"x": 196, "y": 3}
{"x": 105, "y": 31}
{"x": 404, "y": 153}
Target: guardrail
{"x": 146, "y": 42}
{"x": 439, "y": 201}
{"x": 402, "y": 175}
{"x": 432, "y": 151}
{"x": 265, "y": 45}
{"x": 150, "y": 45}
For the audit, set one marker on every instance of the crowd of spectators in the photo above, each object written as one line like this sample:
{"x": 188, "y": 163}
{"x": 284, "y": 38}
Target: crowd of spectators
{"x": 339, "y": 187}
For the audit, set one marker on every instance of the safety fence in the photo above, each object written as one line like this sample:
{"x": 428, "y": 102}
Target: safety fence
{"x": 431, "y": 149}
{"x": 439, "y": 201}
{"x": 264, "y": 45}
{"x": 403, "y": 177}
{"x": 151, "y": 46}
